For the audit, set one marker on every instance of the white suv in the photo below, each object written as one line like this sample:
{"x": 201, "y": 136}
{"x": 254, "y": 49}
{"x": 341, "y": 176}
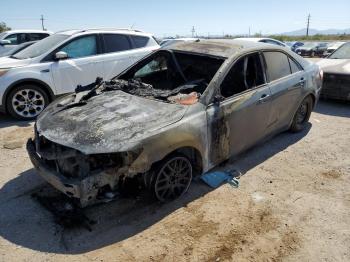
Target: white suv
{"x": 30, "y": 79}
{"x": 10, "y": 39}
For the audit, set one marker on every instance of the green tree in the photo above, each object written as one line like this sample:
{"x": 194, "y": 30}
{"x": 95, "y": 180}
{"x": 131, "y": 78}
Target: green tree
{"x": 4, "y": 27}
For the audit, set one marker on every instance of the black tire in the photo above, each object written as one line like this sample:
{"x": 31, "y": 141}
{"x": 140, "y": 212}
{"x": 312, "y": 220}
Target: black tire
{"x": 171, "y": 178}
{"x": 26, "y": 102}
{"x": 302, "y": 115}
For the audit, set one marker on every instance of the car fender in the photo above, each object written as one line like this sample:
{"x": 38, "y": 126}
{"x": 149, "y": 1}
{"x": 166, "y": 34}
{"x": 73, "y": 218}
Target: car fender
{"x": 187, "y": 133}
{"x": 28, "y": 76}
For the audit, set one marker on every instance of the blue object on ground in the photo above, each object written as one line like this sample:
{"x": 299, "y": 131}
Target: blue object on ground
{"x": 217, "y": 178}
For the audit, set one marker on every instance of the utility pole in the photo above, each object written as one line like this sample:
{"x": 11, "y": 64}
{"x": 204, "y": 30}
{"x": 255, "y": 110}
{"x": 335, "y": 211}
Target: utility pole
{"x": 308, "y": 25}
{"x": 249, "y": 32}
{"x": 193, "y": 31}
{"x": 42, "y": 22}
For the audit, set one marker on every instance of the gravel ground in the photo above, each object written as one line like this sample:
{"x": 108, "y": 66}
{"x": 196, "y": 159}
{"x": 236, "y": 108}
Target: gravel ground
{"x": 293, "y": 204}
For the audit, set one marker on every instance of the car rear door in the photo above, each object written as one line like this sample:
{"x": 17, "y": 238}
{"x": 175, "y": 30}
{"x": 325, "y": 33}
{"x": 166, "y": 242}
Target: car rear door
{"x": 81, "y": 67}
{"x": 117, "y": 54}
{"x": 286, "y": 79}
{"x": 240, "y": 119}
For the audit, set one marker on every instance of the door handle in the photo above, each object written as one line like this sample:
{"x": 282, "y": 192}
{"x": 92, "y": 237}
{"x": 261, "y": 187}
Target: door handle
{"x": 263, "y": 98}
{"x": 302, "y": 82}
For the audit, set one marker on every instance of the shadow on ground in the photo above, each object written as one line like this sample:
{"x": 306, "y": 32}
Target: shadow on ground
{"x": 7, "y": 121}
{"x": 26, "y": 223}
{"x": 333, "y": 108}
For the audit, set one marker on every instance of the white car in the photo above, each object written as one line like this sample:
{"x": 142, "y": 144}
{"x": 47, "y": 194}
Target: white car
{"x": 10, "y": 39}
{"x": 264, "y": 40}
{"x": 33, "y": 77}
{"x": 332, "y": 47}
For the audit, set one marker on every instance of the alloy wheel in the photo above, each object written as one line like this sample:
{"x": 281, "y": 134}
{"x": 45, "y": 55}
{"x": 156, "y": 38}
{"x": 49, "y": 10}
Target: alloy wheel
{"x": 173, "y": 179}
{"x": 28, "y": 103}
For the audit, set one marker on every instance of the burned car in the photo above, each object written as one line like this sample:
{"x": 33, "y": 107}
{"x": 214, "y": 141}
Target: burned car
{"x": 336, "y": 77}
{"x": 175, "y": 114}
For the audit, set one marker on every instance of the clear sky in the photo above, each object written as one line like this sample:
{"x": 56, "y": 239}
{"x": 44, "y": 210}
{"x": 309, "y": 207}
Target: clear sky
{"x": 164, "y": 18}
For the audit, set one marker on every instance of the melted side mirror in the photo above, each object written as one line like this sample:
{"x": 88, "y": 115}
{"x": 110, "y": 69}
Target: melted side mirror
{"x": 217, "y": 99}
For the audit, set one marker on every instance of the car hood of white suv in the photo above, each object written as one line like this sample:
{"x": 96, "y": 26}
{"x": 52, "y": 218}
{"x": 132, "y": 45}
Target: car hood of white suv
{"x": 8, "y": 62}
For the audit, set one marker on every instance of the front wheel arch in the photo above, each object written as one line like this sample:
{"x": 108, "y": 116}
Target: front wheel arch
{"x": 191, "y": 153}
{"x": 45, "y": 87}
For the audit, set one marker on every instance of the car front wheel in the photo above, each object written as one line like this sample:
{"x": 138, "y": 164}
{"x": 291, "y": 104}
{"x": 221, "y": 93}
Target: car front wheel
{"x": 302, "y": 115}
{"x": 172, "y": 178}
{"x": 26, "y": 102}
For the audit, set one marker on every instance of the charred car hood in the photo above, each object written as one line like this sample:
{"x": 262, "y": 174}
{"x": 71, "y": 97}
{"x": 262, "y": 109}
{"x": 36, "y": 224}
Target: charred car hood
{"x": 113, "y": 121}
{"x": 335, "y": 66}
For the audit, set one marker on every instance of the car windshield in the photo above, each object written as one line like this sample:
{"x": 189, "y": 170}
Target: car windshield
{"x": 170, "y": 75}
{"x": 342, "y": 53}
{"x": 41, "y": 47}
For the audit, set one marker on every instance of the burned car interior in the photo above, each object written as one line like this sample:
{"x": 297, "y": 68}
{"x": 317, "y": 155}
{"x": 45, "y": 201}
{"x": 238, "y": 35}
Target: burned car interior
{"x": 168, "y": 74}
{"x": 245, "y": 74}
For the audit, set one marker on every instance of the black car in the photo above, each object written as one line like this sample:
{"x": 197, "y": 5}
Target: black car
{"x": 312, "y": 49}
{"x": 294, "y": 45}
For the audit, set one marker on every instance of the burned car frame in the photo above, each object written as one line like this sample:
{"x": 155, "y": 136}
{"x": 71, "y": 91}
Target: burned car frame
{"x": 175, "y": 114}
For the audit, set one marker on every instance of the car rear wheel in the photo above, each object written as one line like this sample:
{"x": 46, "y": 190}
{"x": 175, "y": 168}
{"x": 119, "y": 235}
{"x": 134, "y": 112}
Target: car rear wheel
{"x": 172, "y": 178}
{"x": 302, "y": 115}
{"x": 26, "y": 102}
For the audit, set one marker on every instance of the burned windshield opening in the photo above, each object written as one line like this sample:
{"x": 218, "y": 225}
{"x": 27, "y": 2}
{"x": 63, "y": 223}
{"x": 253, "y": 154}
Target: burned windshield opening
{"x": 173, "y": 76}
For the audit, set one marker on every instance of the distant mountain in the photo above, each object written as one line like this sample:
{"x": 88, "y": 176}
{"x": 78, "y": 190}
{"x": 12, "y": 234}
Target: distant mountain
{"x": 301, "y": 32}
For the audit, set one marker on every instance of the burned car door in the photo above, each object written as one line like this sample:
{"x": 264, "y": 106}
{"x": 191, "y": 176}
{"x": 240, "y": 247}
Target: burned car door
{"x": 239, "y": 120}
{"x": 286, "y": 80}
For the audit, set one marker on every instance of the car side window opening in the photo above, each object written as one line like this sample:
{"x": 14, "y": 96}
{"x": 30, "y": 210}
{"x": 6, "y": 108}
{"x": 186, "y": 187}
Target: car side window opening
{"x": 245, "y": 74}
{"x": 16, "y": 39}
{"x": 140, "y": 41}
{"x": 294, "y": 66}
{"x": 36, "y": 36}
{"x": 116, "y": 43}
{"x": 81, "y": 47}
{"x": 277, "y": 65}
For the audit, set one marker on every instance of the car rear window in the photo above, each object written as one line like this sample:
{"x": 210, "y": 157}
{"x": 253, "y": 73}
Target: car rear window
{"x": 116, "y": 43}
{"x": 36, "y": 36}
{"x": 277, "y": 65}
{"x": 140, "y": 41}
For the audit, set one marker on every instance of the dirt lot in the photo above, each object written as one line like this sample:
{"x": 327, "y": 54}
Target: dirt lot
{"x": 293, "y": 204}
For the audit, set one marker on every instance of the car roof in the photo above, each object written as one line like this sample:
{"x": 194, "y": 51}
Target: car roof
{"x": 104, "y": 30}
{"x": 217, "y": 47}
{"x": 27, "y": 31}
{"x": 256, "y": 39}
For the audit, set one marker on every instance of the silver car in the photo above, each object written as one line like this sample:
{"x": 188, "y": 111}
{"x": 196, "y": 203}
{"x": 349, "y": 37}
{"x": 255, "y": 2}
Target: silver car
{"x": 175, "y": 114}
